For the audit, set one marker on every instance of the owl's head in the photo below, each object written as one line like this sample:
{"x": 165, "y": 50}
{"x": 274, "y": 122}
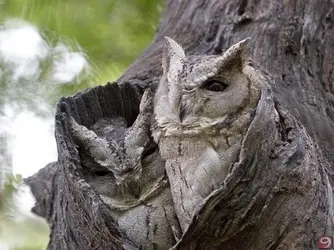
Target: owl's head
{"x": 200, "y": 89}
{"x": 112, "y": 149}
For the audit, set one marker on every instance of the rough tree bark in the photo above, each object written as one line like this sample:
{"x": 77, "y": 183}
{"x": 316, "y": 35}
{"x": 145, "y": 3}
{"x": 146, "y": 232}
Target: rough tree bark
{"x": 280, "y": 194}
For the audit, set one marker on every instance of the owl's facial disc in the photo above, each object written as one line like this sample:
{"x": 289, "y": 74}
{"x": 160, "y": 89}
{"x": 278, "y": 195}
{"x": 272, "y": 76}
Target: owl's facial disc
{"x": 202, "y": 89}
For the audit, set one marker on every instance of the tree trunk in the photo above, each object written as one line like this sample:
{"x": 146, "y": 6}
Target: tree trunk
{"x": 279, "y": 195}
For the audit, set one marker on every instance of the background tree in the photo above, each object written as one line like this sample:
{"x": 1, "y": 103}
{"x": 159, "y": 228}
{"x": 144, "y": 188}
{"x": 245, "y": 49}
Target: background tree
{"x": 286, "y": 164}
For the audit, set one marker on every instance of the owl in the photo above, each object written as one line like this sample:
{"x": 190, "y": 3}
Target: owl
{"x": 202, "y": 110}
{"x": 124, "y": 167}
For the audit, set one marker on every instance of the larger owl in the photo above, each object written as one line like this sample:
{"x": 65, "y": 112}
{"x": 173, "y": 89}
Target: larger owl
{"x": 203, "y": 107}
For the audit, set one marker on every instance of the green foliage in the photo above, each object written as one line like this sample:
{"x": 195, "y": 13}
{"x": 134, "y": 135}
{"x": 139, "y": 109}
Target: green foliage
{"x": 12, "y": 183}
{"x": 111, "y": 32}
{"x": 18, "y": 230}
{"x": 11, "y": 186}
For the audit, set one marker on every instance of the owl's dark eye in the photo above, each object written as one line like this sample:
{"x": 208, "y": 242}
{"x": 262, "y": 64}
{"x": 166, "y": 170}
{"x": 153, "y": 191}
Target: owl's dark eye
{"x": 150, "y": 149}
{"x": 214, "y": 85}
{"x": 101, "y": 172}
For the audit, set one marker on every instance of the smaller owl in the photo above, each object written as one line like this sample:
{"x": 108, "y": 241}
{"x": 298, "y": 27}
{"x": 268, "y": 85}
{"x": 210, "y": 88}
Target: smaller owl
{"x": 124, "y": 167}
{"x": 203, "y": 107}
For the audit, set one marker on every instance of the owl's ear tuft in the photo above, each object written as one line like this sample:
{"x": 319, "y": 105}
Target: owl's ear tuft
{"x": 173, "y": 54}
{"x": 236, "y": 54}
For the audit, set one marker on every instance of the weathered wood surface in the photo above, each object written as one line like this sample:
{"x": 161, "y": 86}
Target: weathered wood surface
{"x": 280, "y": 194}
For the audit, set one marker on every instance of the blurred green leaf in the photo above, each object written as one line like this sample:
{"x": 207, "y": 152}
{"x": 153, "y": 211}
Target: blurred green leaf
{"x": 111, "y": 32}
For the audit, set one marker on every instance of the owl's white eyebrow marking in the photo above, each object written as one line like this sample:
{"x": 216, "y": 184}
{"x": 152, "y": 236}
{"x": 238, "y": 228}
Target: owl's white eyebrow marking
{"x": 202, "y": 79}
